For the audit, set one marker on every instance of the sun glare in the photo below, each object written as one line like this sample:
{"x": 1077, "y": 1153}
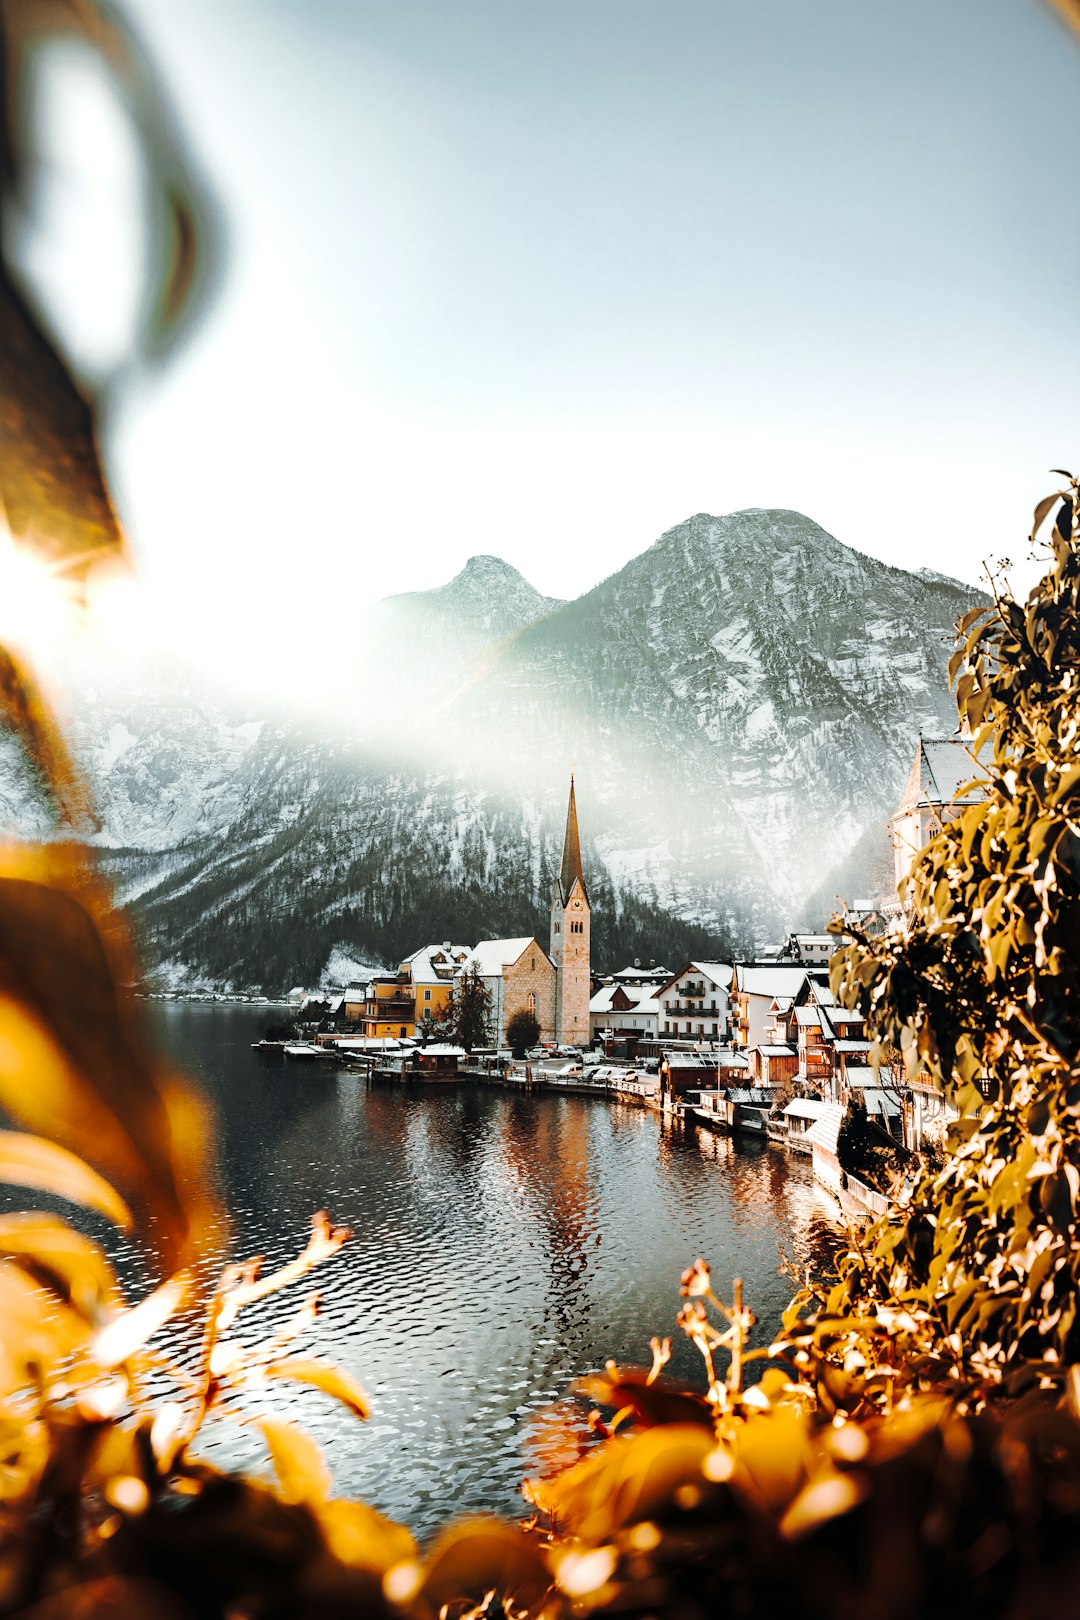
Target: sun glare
{"x": 34, "y": 611}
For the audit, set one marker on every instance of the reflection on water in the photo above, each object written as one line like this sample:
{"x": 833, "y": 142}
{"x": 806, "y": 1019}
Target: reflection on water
{"x": 503, "y": 1245}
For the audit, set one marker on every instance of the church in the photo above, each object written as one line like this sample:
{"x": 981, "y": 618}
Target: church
{"x": 554, "y": 985}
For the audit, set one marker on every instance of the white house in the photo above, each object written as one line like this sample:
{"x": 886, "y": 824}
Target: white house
{"x": 625, "y": 1009}
{"x": 812, "y": 950}
{"x": 761, "y": 990}
{"x": 694, "y": 1002}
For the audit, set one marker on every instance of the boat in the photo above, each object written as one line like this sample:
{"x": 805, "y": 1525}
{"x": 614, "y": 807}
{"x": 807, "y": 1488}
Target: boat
{"x": 302, "y": 1049}
{"x": 269, "y": 1046}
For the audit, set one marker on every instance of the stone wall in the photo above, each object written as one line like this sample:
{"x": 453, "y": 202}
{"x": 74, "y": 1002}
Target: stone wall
{"x": 531, "y": 975}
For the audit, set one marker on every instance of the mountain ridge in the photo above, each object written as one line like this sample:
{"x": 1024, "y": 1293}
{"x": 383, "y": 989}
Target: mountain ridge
{"x": 740, "y": 701}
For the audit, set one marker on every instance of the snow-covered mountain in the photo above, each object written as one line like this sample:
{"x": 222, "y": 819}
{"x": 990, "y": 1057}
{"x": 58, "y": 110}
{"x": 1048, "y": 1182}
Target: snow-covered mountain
{"x": 740, "y": 703}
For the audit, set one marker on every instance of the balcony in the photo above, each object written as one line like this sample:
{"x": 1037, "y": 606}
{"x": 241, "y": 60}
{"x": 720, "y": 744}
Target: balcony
{"x": 394, "y": 1007}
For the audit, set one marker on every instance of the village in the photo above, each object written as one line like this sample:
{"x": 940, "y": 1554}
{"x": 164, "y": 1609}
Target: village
{"x": 758, "y": 1047}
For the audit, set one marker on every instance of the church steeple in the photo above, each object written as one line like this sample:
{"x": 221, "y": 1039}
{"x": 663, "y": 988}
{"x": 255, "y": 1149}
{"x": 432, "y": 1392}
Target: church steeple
{"x": 571, "y": 850}
{"x": 570, "y": 937}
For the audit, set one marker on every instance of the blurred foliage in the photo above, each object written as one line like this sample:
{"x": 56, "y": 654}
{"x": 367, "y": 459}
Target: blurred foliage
{"x": 53, "y": 492}
{"x": 981, "y": 994}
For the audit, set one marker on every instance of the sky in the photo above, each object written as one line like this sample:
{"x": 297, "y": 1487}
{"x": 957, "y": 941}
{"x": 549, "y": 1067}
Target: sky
{"x": 543, "y": 279}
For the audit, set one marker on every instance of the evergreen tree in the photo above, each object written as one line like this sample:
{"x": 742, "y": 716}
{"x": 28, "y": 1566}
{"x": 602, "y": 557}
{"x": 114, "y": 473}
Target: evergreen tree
{"x": 522, "y": 1031}
{"x": 468, "y": 1009}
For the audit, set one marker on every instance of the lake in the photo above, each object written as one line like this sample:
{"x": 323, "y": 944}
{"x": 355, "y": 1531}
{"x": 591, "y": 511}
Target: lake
{"x": 503, "y": 1245}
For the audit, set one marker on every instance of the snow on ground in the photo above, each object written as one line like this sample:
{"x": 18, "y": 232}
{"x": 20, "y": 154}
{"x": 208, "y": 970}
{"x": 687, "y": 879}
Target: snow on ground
{"x": 342, "y": 968}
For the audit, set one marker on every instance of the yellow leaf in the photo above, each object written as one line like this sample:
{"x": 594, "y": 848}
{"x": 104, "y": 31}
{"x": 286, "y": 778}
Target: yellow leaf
{"x": 76, "y": 1062}
{"x": 824, "y": 1498}
{"x": 129, "y": 1331}
{"x": 52, "y": 487}
{"x": 325, "y": 1376}
{"x": 299, "y": 1464}
{"x": 482, "y": 1555}
{"x": 69, "y": 1262}
{"x": 30, "y": 1161}
{"x": 630, "y": 1478}
{"x": 358, "y": 1535}
{"x": 39, "y": 1333}
{"x": 24, "y": 713}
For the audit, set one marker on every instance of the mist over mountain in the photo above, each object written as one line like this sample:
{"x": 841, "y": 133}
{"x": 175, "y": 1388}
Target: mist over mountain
{"x": 740, "y": 704}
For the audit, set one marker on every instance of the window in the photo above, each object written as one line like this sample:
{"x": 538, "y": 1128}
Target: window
{"x": 530, "y": 1002}
{"x": 427, "y": 995}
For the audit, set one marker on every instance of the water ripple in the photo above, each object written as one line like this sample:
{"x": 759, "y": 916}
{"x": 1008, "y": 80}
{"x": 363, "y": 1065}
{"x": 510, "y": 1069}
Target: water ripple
{"x": 503, "y": 1246}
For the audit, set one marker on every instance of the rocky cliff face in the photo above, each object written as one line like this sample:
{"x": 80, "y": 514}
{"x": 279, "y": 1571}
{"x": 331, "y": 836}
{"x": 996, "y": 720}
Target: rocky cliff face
{"x": 740, "y": 703}
{"x": 744, "y": 699}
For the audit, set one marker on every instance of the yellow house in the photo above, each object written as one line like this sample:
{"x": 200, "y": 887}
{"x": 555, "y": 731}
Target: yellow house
{"x": 430, "y": 971}
{"x": 390, "y": 1009}
{"x": 354, "y": 1003}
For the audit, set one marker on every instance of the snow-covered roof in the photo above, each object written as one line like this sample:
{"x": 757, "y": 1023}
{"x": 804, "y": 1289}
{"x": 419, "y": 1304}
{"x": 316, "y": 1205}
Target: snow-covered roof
{"x": 863, "y": 1075}
{"x": 805, "y": 1108}
{"x": 807, "y": 1018}
{"x": 770, "y": 979}
{"x": 781, "y": 1004}
{"x": 826, "y": 1129}
{"x": 755, "y": 1096}
{"x": 637, "y": 994}
{"x": 435, "y": 964}
{"x": 700, "y": 1060}
{"x": 492, "y": 955}
{"x": 638, "y": 975}
{"x": 851, "y": 1046}
{"x": 879, "y": 1100}
{"x": 777, "y": 1051}
{"x": 441, "y": 1051}
{"x": 718, "y": 972}
{"x": 941, "y": 767}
